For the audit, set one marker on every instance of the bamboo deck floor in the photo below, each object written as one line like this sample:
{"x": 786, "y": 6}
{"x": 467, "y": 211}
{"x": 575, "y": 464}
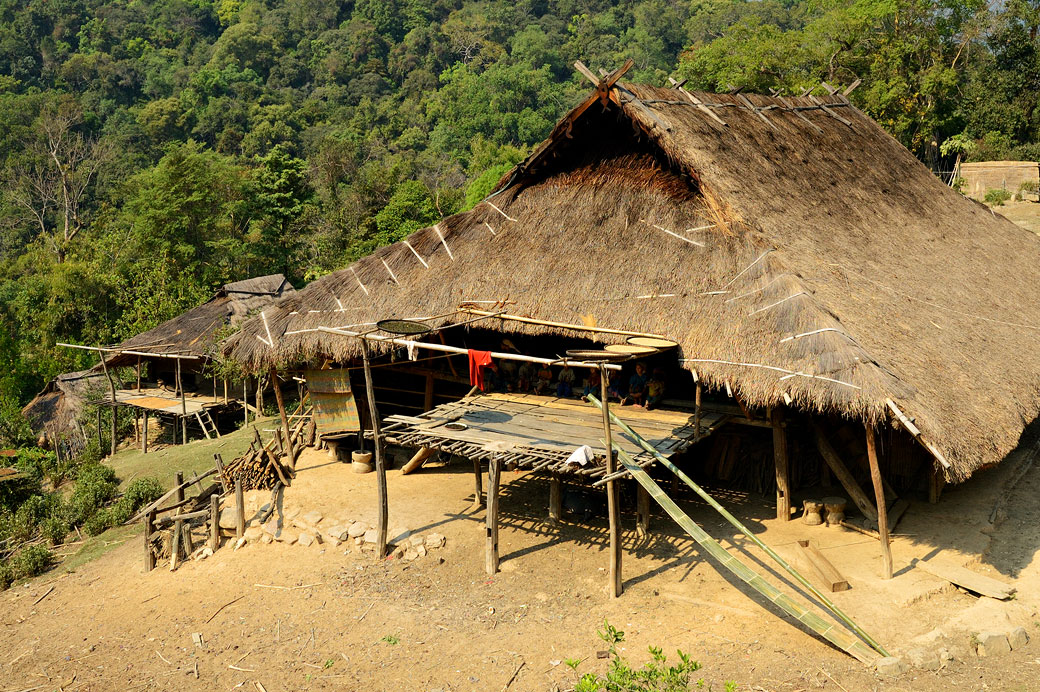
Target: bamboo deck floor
{"x": 540, "y": 432}
{"x": 163, "y": 401}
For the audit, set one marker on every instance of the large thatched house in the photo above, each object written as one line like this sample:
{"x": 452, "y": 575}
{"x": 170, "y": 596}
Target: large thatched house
{"x": 798, "y": 254}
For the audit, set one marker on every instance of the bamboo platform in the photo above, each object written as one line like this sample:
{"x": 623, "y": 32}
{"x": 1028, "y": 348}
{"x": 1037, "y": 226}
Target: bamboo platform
{"x": 163, "y": 401}
{"x": 540, "y": 432}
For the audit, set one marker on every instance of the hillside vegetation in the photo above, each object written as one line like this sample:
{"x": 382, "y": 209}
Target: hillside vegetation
{"x": 151, "y": 150}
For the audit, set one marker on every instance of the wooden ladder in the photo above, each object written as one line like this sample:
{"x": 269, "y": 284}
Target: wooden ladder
{"x": 206, "y": 423}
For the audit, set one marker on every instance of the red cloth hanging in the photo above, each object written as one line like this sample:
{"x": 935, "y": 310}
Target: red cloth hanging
{"x": 478, "y": 360}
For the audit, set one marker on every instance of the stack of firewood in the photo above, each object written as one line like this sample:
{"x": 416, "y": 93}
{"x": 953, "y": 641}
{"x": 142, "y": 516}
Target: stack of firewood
{"x": 261, "y": 467}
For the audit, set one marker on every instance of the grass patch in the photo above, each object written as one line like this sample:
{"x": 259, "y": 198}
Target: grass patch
{"x": 96, "y": 546}
{"x": 196, "y": 456}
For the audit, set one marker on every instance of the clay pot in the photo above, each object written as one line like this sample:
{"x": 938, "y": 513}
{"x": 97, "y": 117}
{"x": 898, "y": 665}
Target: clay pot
{"x": 361, "y": 462}
{"x": 811, "y": 515}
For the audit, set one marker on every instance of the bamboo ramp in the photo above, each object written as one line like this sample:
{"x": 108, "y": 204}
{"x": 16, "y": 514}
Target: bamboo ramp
{"x": 836, "y": 635}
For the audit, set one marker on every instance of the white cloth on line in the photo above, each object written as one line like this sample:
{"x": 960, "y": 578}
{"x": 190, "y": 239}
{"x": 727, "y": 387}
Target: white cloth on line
{"x": 581, "y": 456}
{"x": 412, "y": 348}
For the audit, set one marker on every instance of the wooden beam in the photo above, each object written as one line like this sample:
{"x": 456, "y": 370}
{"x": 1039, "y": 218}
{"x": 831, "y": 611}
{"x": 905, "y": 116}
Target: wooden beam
{"x": 783, "y": 479}
{"x": 494, "y": 478}
{"x": 843, "y": 475}
{"x": 377, "y": 443}
{"x": 289, "y": 451}
{"x": 823, "y": 568}
{"x": 184, "y": 407}
{"x": 935, "y": 484}
{"x": 916, "y": 433}
{"x": 965, "y": 578}
{"x": 697, "y": 412}
{"x": 613, "y": 501}
{"x": 879, "y": 494}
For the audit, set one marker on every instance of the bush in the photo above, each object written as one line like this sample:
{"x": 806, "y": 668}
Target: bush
{"x": 55, "y": 528}
{"x": 95, "y": 487}
{"x": 98, "y": 522}
{"x": 138, "y": 494}
{"x": 6, "y": 575}
{"x": 31, "y": 561}
{"x": 996, "y": 197}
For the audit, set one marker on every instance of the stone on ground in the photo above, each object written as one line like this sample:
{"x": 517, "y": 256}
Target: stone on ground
{"x": 371, "y": 536}
{"x": 286, "y": 536}
{"x": 891, "y": 666}
{"x": 267, "y": 538}
{"x": 253, "y": 533}
{"x": 435, "y": 540}
{"x": 357, "y": 529}
{"x": 421, "y": 549}
{"x": 992, "y": 644}
{"x": 1018, "y": 638}
{"x": 227, "y": 518}
{"x": 337, "y": 531}
{"x": 305, "y": 539}
{"x": 416, "y": 541}
{"x": 924, "y": 659}
{"x": 313, "y": 517}
{"x": 411, "y": 554}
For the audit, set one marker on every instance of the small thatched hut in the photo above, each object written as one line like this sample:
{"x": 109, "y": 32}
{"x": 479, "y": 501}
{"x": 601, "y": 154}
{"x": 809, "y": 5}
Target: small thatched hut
{"x": 55, "y": 413}
{"x": 799, "y": 255}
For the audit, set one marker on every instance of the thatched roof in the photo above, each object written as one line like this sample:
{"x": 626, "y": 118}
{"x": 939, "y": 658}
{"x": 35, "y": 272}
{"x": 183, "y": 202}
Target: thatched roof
{"x": 55, "y": 412}
{"x": 198, "y": 331}
{"x": 796, "y": 251}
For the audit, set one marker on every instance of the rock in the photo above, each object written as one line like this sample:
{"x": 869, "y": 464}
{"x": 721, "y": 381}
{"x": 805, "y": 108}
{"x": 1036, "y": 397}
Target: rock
{"x": 944, "y": 655}
{"x": 286, "y": 536}
{"x": 267, "y": 538}
{"x": 371, "y": 536}
{"x": 335, "y": 542}
{"x": 411, "y": 554}
{"x": 991, "y": 644}
{"x": 435, "y": 540}
{"x": 240, "y": 542}
{"x": 305, "y": 539}
{"x": 313, "y": 517}
{"x": 359, "y": 541}
{"x": 421, "y": 549}
{"x": 271, "y": 527}
{"x": 338, "y": 531}
{"x": 924, "y": 659}
{"x": 357, "y": 529}
{"x": 253, "y": 533}
{"x": 292, "y": 512}
{"x": 719, "y": 617}
{"x": 317, "y": 538}
{"x": 891, "y": 666}
{"x": 416, "y": 541}
{"x": 398, "y": 552}
{"x": 228, "y": 518}
{"x": 202, "y": 553}
{"x": 1018, "y": 638}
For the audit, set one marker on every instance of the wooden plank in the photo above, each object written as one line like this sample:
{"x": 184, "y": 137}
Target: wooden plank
{"x": 843, "y": 475}
{"x": 965, "y": 578}
{"x": 823, "y": 568}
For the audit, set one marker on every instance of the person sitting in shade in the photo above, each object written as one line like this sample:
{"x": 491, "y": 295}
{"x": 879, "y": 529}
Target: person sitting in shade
{"x": 543, "y": 383}
{"x": 507, "y": 375}
{"x": 636, "y": 387}
{"x": 525, "y": 377}
{"x": 655, "y": 389}
{"x": 614, "y": 385}
{"x": 565, "y": 382}
{"x": 591, "y": 383}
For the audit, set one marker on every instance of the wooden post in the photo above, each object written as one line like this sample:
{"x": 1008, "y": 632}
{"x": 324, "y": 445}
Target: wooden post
{"x": 879, "y": 494}
{"x": 494, "y": 478}
{"x": 478, "y": 491}
{"x": 149, "y": 529}
{"x": 428, "y": 395}
{"x": 137, "y": 426}
{"x": 214, "y": 521}
{"x": 184, "y": 407}
{"x": 144, "y": 434}
{"x": 696, "y": 413}
{"x": 783, "y": 477}
{"x": 842, "y": 473}
{"x": 112, "y": 389}
{"x": 178, "y": 497}
{"x": 377, "y": 443}
{"x": 642, "y": 511}
{"x": 224, "y": 380}
{"x": 138, "y": 373}
{"x": 935, "y": 483}
{"x": 245, "y": 398}
{"x": 555, "y": 498}
{"x": 613, "y": 508}
{"x": 288, "y": 450}
{"x": 240, "y": 510}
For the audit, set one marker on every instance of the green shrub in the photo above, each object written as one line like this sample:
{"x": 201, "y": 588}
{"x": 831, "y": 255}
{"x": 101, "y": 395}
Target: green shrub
{"x": 98, "y": 522}
{"x": 996, "y": 197}
{"x": 55, "y": 528}
{"x": 95, "y": 487}
{"x": 6, "y": 575}
{"x": 31, "y": 561}
{"x": 138, "y": 494}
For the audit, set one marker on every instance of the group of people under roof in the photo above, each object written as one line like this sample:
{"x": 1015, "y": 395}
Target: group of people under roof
{"x": 637, "y": 387}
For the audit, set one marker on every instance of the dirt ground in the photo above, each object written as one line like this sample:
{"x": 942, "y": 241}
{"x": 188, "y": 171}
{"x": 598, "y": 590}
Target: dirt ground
{"x": 291, "y": 617}
{"x": 1025, "y": 214}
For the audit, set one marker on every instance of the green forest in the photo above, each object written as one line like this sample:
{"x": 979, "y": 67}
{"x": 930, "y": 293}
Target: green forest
{"x": 152, "y": 150}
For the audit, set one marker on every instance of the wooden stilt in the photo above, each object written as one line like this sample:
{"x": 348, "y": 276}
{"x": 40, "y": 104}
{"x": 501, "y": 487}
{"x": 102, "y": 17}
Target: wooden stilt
{"x": 289, "y": 451}
{"x": 478, "y": 491}
{"x": 642, "y": 511}
{"x": 138, "y": 373}
{"x": 137, "y": 427}
{"x": 494, "y": 477}
{"x": 240, "y": 510}
{"x": 184, "y": 406}
{"x": 225, "y": 391}
{"x": 245, "y": 399}
{"x": 783, "y": 479}
{"x": 377, "y": 443}
{"x": 697, "y": 412}
{"x": 178, "y": 497}
{"x": 214, "y": 521}
{"x": 879, "y": 494}
{"x": 144, "y": 434}
{"x": 112, "y": 390}
{"x": 935, "y": 483}
{"x": 428, "y": 395}
{"x": 613, "y": 508}
{"x": 555, "y": 498}
{"x": 149, "y": 529}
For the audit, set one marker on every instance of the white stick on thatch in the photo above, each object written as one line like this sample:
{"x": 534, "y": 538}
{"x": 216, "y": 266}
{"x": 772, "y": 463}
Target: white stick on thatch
{"x": 409, "y": 246}
{"x": 437, "y": 228}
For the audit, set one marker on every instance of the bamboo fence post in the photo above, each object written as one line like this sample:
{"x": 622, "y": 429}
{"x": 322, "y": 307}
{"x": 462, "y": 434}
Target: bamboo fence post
{"x": 214, "y": 521}
{"x": 377, "y": 443}
{"x": 494, "y": 479}
{"x": 879, "y": 495}
{"x": 613, "y": 508}
{"x": 149, "y": 529}
{"x": 783, "y": 478}
{"x": 240, "y": 510}
{"x": 288, "y": 449}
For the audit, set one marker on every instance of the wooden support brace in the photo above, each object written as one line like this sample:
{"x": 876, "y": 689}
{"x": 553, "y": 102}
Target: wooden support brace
{"x": 823, "y": 568}
{"x": 843, "y": 474}
{"x": 613, "y": 501}
{"x": 882, "y": 509}
{"x": 494, "y": 478}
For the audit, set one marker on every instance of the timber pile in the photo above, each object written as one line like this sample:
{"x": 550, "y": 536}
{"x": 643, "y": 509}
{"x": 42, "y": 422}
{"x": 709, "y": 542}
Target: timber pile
{"x": 259, "y": 468}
